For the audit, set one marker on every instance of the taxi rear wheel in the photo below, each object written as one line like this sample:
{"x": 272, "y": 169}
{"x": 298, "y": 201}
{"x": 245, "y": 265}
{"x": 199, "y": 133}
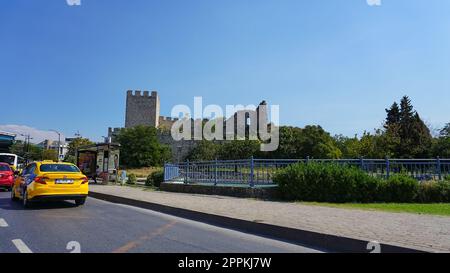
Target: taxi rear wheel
{"x": 13, "y": 194}
{"x": 80, "y": 202}
{"x": 26, "y": 203}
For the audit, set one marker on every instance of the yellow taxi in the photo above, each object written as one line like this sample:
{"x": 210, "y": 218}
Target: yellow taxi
{"x": 48, "y": 180}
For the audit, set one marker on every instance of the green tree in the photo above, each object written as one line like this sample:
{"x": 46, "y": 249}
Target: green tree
{"x": 34, "y": 152}
{"x": 289, "y": 138}
{"x": 445, "y": 132}
{"x": 18, "y": 148}
{"x": 50, "y": 155}
{"x": 349, "y": 146}
{"x": 441, "y": 144}
{"x": 74, "y": 146}
{"x": 407, "y": 134}
{"x": 239, "y": 149}
{"x": 30, "y": 151}
{"x": 312, "y": 141}
{"x": 371, "y": 145}
{"x": 315, "y": 142}
{"x": 377, "y": 145}
{"x": 393, "y": 115}
{"x": 441, "y": 147}
{"x": 140, "y": 147}
{"x": 406, "y": 114}
{"x": 204, "y": 151}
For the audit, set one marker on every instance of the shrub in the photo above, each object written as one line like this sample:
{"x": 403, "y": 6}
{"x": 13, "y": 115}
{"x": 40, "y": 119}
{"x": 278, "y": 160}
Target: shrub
{"x": 434, "y": 192}
{"x": 326, "y": 183}
{"x": 398, "y": 188}
{"x": 320, "y": 182}
{"x": 149, "y": 181}
{"x": 155, "y": 179}
{"x": 131, "y": 179}
{"x": 447, "y": 178}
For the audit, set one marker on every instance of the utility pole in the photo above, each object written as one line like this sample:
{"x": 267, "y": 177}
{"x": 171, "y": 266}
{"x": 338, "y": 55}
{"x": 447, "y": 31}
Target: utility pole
{"x": 59, "y": 144}
{"x": 26, "y": 146}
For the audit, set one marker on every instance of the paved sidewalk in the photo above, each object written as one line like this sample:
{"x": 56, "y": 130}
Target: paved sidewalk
{"x": 422, "y": 232}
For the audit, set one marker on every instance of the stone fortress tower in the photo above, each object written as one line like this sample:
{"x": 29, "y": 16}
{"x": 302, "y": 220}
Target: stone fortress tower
{"x": 142, "y": 109}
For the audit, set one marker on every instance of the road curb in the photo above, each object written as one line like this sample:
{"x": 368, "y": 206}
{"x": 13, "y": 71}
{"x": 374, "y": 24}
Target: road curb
{"x": 332, "y": 243}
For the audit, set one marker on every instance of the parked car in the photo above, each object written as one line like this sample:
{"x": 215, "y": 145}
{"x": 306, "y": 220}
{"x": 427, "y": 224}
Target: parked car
{"x": 48, "y": 180}
{"x": 6, "y": 176}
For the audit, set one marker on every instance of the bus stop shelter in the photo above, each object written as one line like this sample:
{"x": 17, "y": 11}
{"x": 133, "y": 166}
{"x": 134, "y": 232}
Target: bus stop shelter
{"x": 99, "y": 160}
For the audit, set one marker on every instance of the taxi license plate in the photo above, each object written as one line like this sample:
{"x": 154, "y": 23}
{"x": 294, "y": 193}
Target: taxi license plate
{"x": 64, "y": 181}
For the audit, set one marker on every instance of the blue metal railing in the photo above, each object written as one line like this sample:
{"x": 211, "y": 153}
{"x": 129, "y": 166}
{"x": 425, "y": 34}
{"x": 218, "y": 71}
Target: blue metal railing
{"x": 260, "y": 171}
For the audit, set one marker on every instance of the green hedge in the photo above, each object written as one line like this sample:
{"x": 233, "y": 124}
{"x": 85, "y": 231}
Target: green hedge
{"x": 326, "y": 183}
{"x": 132, "y": 179}
{"x": 398, "y": 188}
{"x": 434, "y": 192}
{"x": 322, "y": 182}
{"x": 155, "y": 179}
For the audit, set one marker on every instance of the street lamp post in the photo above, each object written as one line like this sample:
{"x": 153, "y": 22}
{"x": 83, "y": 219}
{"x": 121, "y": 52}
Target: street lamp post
{"x": 59, "y": 144}
{"x": 26, "y": 145}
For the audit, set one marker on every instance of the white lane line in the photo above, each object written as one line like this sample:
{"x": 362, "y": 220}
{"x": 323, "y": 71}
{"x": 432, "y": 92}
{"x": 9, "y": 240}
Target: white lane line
{"x": 21, "y": 246}
{"x": 3, "y": 223}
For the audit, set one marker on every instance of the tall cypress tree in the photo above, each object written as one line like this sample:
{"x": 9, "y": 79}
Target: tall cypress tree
{"x": 408, "y": 136}
{"x": 393, "y": 115}
{"x": 414, "y": 134}
{"x": 406, "y": 111}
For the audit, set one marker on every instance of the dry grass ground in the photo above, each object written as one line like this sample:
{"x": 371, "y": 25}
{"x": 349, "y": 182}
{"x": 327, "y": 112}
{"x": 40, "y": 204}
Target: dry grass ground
{"x": 143, "y": 172}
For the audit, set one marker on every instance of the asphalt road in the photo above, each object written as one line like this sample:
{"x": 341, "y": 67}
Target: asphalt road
{"x": 103, "y": 227}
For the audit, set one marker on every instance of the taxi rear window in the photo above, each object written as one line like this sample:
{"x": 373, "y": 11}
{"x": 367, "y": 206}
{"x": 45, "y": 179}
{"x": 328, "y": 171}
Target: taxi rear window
{"x": 58, "y": 168}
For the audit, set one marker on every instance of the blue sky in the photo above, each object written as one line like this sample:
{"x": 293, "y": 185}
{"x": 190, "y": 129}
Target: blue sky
{"x": 337, "y": 63}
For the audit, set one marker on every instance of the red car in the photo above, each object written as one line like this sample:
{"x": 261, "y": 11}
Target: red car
{"x": 6, "y": 176}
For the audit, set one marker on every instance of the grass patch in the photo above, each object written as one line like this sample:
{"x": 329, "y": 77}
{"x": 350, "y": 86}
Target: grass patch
{"x": 143, "y": 172}
{"x": 429, "y": 209}
{"x": 136, "y": 186}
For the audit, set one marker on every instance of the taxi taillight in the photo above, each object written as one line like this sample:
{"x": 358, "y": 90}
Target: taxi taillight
{"x": 41, "y": 180}
{"x": 85, "y": 180}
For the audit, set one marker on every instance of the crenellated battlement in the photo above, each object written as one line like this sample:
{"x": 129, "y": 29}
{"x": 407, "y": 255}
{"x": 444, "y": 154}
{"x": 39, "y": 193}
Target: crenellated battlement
{"x": 161, "y": 118}
{"x": 142, "y": 108}
{"x": 143, "y": 94}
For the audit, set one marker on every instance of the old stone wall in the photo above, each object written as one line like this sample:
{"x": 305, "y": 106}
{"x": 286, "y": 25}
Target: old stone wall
{"x": 142, "y": 109}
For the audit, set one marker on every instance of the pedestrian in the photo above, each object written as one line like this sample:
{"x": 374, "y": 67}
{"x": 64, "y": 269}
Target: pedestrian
{"x": 97, "y": 173}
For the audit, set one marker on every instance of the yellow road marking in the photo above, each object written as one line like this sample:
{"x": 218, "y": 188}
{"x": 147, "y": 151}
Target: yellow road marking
{"x": 141, "y": 240}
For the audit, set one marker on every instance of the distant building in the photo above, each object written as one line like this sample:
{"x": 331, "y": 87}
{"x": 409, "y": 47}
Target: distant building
{"x": 68, "y": 140}
{"x": 6, "y": 140}
{"x": 53, "y": 145}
